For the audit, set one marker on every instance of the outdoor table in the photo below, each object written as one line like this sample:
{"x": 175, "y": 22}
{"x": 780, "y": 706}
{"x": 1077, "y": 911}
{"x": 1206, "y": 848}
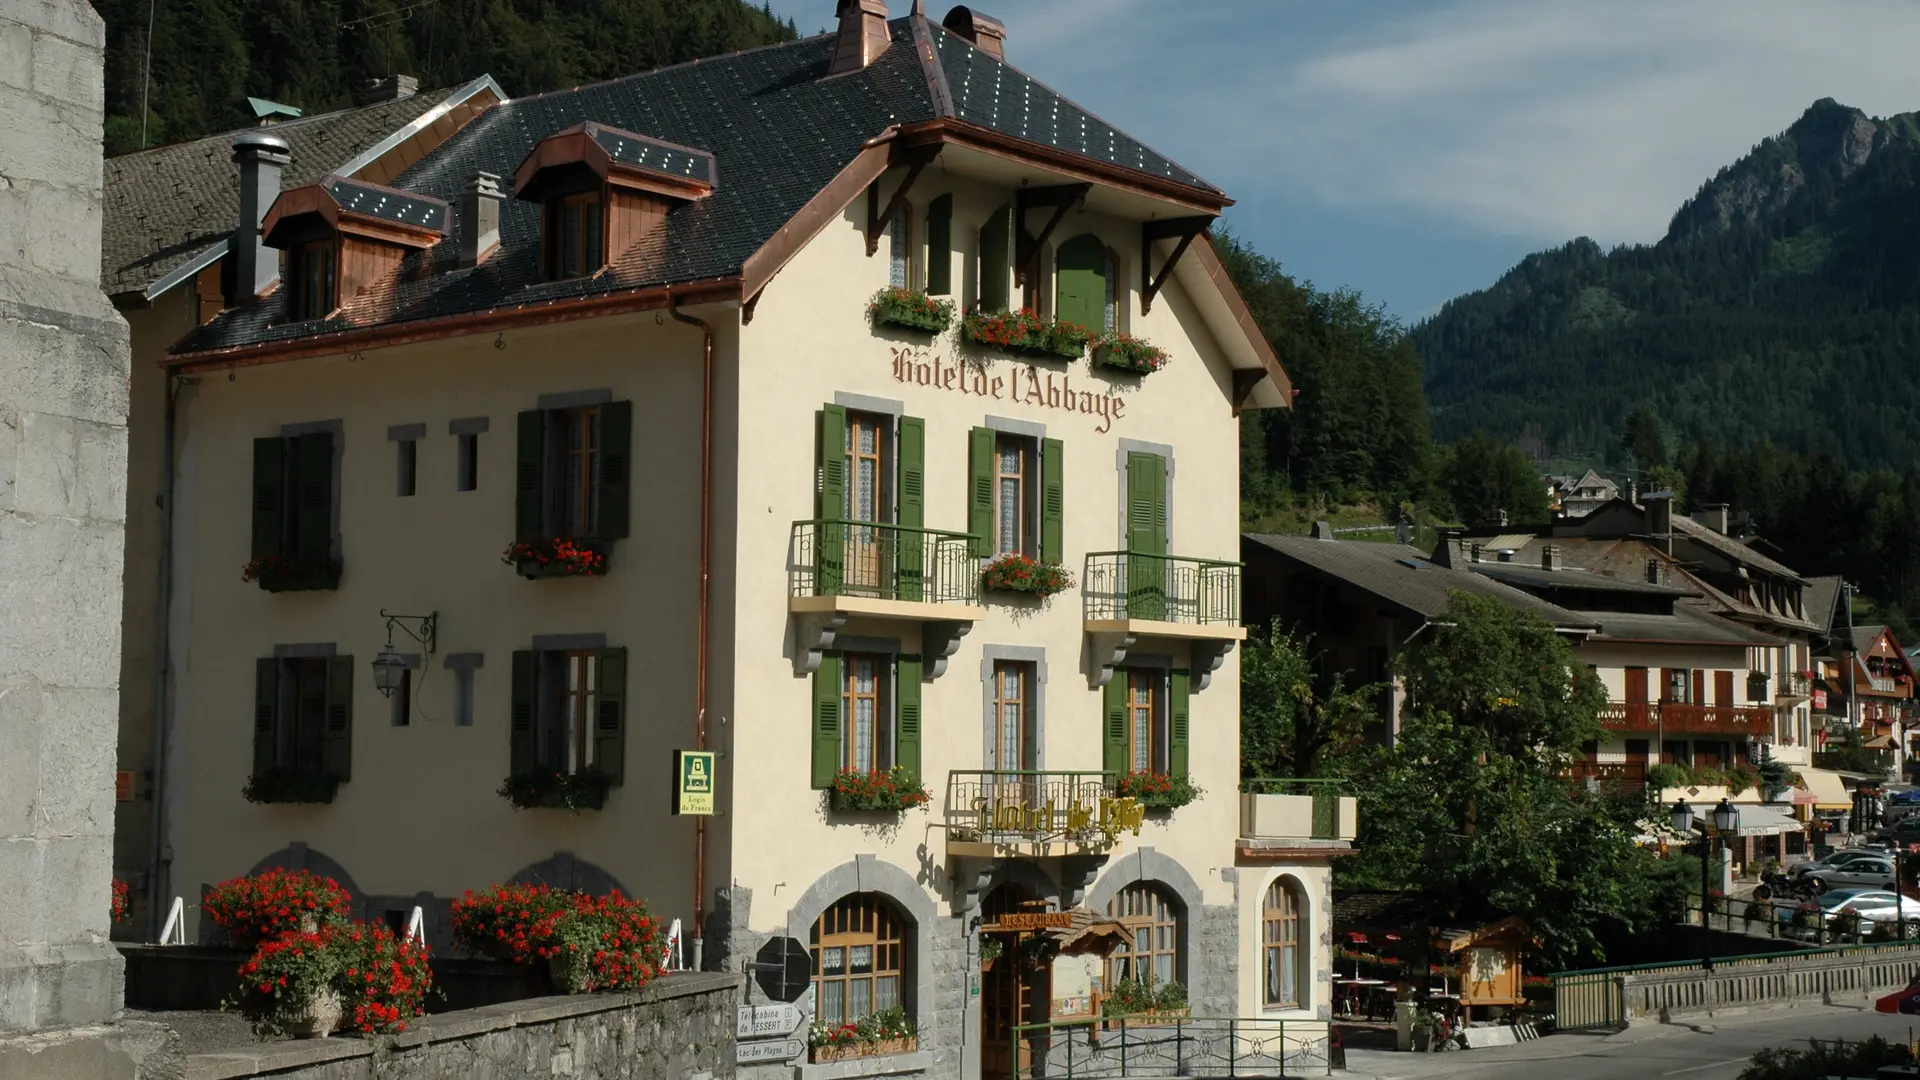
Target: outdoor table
{"x": 1360, "y": 990}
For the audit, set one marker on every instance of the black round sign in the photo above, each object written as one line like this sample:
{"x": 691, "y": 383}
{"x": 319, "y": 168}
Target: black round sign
{"x": 783, "y": 968}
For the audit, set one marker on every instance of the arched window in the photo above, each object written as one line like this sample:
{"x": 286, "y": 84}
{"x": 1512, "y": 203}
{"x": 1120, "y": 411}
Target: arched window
{"x": 859, "y": 954}
{"x": 900, "y": 249}
{"x": 1082, "y": 283}
{"x": 1283, "y": 957}
{"x": 1153, "y": 955}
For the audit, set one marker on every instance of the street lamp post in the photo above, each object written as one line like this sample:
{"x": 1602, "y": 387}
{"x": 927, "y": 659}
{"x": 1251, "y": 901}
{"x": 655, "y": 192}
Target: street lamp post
{"x": 1725, "y": 820}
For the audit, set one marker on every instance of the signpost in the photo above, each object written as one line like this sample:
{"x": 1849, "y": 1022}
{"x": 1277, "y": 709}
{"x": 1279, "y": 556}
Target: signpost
{"x": 767, "y": 1021}
{"x": 784, "y": 968}
{"x": 693, "y": 782}
{"x": 747, "y": 1053}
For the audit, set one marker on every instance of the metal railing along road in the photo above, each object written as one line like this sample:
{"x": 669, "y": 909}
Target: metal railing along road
{"x": 1160, "y": 588}
{"x": 881, "y": 561}
{"x": 1326, "y": 793}
{"x": 1025, "y": 807}
{"x": 1170, "y": 1046}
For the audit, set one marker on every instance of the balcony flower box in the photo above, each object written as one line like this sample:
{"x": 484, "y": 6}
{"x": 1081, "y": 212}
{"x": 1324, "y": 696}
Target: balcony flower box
{"x": 908, "y": 309}
{"x": 290, "y": 786}
{"x": 1127, "y": 353}
{"x": 534, "y": 559}
{"x": 297, "y": 574}
{"x": 553, "y": 789}
{"x": 1019, "y": 573}
{"x": 892, "y": 791}
{"x": 1025, "y": 333}
{"x": 1156, "y": 791}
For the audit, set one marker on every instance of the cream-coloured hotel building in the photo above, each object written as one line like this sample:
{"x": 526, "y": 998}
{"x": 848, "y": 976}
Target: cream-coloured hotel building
{"x": 634, "y": 317}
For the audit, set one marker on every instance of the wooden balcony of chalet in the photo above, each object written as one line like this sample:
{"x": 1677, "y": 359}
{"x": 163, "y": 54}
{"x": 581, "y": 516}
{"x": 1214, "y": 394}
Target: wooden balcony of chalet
{"x": 1678, "y": 718}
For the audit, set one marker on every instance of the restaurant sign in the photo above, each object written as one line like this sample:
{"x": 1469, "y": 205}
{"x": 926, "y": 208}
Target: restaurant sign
{"x": 1033, "y": 920}
{"x": 1021, "y": 384}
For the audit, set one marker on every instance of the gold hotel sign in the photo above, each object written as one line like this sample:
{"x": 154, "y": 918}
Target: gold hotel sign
{"x": 1093, "y": 822}
{"x": 1022, "y": 384}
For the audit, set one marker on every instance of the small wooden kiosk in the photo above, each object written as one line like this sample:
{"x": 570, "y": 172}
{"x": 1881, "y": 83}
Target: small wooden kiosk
{"x": 1489, "y": 963}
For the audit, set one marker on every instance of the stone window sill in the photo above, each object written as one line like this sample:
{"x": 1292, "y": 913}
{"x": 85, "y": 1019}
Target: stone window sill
{"x": 856, "y": 1068}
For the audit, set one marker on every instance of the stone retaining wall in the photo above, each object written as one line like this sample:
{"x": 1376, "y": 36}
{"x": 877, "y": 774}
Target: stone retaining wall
{"x": 680, "y": 1027}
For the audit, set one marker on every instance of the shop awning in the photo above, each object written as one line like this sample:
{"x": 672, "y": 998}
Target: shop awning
{"x": 1879, "y": 742}
{"x": 1760, "y": 821}
{"x": 1829, "y": 791}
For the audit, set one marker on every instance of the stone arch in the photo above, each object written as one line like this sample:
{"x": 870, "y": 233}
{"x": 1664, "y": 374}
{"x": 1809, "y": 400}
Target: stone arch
{"x": 868, "y": 874}
{"x": 1149, "y": 866}
{"x": 1023, "y": 873}
{"x": 563, "y": 870}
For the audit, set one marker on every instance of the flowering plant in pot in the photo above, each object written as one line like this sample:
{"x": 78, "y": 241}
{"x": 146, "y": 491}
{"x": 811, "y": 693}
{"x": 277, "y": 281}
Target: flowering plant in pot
{"x": 910, "y": 309}
{"x": 263, "y": 906}
{"x": 1014, "y": 572}
{"x": 893, "y": 789}
{"x": 601, "y": 943}
{"x": 1025, "y": 332}
{"x": 558, "y": 557}
{"x": 572, "y": 792}
{"x": 277, "y": 785}
{"x": 1156, "y": 790}
{"x": 292, "y": 573}
{"x": 1128, "y": 353}
{"x": 385, "y": 979}
{"x": 119, "y": 901}
{"x": 500, "y": 921}
{"x": 290, "y": 986}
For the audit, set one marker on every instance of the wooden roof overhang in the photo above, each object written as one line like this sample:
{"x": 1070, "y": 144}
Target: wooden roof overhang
{"x": 306, "y": 213}
{"x": 558, "y": 163}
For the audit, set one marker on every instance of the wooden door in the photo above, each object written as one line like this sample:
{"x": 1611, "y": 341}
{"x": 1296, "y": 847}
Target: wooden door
{"x": 869, "y": 558}
{"x": 1009, "y": 994}
{"x": 1723, "y": 695}
{"x": 1636, "y": 701}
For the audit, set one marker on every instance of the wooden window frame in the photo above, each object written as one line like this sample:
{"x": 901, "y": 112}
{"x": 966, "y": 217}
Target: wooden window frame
{"x": 901, "y": 264}
{"x": 884, "y": 721}
{"x": 1026, "y": 678}
{"x": 1026, "y": 508}
{"x": 1282, "y": 912}
{"x": 299, "y": 678}
{"x": 592, "y": 242}
{"x": 1146, "y": 906}
{"x": 885, "y": 455}
{"x": 1159, "y": 749}
{"x": 1676, "y": 679}
{"x": 855, "y": 921}
{"x": 308, "y": 301}
{"x": 567, "y": 702}
{"x": 576, "y": 519}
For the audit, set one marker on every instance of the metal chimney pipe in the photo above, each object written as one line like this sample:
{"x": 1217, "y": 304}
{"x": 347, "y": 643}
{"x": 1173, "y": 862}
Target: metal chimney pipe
{"x": 261, "y": 155}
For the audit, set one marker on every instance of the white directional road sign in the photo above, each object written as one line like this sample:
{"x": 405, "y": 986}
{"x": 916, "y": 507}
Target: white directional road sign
{"x": 767, "y": 1021}
{"x": 778, "y": 1050}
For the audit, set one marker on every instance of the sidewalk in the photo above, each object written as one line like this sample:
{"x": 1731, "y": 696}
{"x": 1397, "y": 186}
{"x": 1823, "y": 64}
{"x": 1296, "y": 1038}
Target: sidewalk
{"x": 1394, "y": 1065}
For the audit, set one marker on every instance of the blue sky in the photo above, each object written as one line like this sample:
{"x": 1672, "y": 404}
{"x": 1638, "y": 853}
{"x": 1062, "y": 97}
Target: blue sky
{"x": 1416, "y": 149}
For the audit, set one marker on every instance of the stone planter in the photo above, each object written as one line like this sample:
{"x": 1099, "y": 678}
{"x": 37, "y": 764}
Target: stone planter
{"x": 821, "y": 1055}
{"x": 315, "y": 1018}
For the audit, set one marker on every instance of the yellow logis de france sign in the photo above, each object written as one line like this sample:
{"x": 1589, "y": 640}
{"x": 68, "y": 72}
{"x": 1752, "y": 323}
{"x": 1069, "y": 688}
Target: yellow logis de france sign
{"x": 693, "y": 781}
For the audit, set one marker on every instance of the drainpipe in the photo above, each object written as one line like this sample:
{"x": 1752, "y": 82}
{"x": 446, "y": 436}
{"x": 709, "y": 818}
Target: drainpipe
{"x": 700, "y": 663}
{"x": 156, "y": 910}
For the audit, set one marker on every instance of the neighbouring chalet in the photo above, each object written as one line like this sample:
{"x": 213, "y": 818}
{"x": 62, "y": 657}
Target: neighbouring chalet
{"x": 751, "y": 405}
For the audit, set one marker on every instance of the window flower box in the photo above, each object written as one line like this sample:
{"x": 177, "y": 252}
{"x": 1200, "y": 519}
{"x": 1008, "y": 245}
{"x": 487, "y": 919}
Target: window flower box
{"x": 1127, "y": 353}
{"x": 290, "y": 786}
{"x": 1025, "y": 333}
{"x": 550, "y": 788}
{"x": 535, "y": 559}
{"x": 893, "y": 791}
{"x": 1020, "y": 573}
{"x": 298, "y": 574}
{"x": 889, "y": 1031}
{"x": 820, "y": 1055}
{"x": 1156, "y": 791}
{"x": 909, "y": 309}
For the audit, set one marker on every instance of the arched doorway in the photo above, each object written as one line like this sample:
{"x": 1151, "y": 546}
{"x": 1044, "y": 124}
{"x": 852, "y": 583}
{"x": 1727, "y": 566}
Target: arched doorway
{"x": 1010, "y": 993}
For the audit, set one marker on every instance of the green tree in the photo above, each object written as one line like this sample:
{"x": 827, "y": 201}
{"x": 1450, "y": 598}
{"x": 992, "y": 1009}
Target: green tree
{"x": 1642, "y": 439}
{"x": 1484, "y": 478}
{"x": 1292, "y": 722}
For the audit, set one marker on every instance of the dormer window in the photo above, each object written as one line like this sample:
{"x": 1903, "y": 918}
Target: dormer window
{"x": 575, "y": 235}
{"x": 312, "y": 280}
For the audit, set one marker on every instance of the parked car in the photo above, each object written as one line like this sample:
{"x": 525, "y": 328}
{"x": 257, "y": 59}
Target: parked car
{"x": 1872, "y": 907}
{"x": 1835, "y": 862}
{"x": 1872, "y": 871}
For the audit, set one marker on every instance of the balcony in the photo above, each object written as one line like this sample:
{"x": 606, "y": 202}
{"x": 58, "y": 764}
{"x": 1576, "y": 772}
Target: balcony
{"x": 1795, "y": 687}
{"x": 837, "y": 570}
{"x": 1035, "y": 814}
{"x": 1129, "y": 596}
{"x": 1282, "y": 817}
{"x": 1613, "y": 775}
{"x": 1675, "y": 718}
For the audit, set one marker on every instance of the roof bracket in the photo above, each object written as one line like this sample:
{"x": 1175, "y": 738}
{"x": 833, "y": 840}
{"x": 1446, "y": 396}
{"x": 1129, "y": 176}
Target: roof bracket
{"x": 916, "y": 159}
{"x": 746, "y": 309}
{"x": 1185, "y": 229}
{"x": 1062, "y": 197}
{"x": 1244, "y": 381}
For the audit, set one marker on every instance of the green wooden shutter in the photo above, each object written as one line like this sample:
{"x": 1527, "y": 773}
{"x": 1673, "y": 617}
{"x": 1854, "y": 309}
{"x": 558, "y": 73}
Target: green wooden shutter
{"x": 610, "y": 715}
{"x": 906, "y": 732}
{"x": 913, "y": 512}
{"x": 1177, "y": 723}
{"x": 339, "y": 738}
{"x": 269, "y": 497}
{"x": 940, "y": 246}
{"x": 1146, "y": 535}
{"x": 980, "y": 491}
{"x": 1080, "y": 283}
{"x": 996, "y": 260}
{"x": 825, "y": 720}
{"x": 522, "y": 748}
{"x": 616, "y": 445}
{"x": 313, "y": 484}
{"x": 529, "y": 477}
{"x": 266, "y": 705}
{"x": 1053, "y": 500}
{"x": 830, "y": 541}
{"x": 1115, "y": 710}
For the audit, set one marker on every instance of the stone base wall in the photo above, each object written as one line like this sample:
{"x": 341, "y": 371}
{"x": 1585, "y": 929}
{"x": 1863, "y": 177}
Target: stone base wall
{"x": 125, "y": 1051}
{"x": 681, "y": 1026}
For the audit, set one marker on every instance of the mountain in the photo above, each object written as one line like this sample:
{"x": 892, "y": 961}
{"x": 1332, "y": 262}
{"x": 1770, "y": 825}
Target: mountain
{"x": 209, "y": 56}
{"x": 1783, "y": 303}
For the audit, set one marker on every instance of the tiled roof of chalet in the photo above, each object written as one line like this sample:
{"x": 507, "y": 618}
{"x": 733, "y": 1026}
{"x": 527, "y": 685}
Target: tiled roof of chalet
{"x": 1688, "y": 624}
{"x": 164, "y": 206}
{"x": 1404, "y": 576}
{"x": 1822, "y": 601}
{"x": 1572, "y": 577}
{"x": 778, "y": 131}
{"x": 1731, "y": 548}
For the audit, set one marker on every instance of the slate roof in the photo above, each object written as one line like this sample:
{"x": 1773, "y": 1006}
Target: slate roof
{"x": 1402, "y": 576}
{"x": 1822, "y": 601}
{"x": 636, "y": 150}
{"x": 402, "y": 207}
{"x": 1523, "y": 576}
{"x": 1728, "y": 546}
{"x": 166, "y": 205}
{"x": 1687, "y": 624}
{"x": 777, "y": 128}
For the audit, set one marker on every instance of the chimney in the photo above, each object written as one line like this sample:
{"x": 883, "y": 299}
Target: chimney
{"x": 391, "y": 88}
{"x": 261, "y": 155}
{"x": 987, "y": 33}
{"x": 863, "y": 35}
{"x": 1550, "y": 557}
{"x": 1660, "y": 518}
{"x": 1656, "y": 571}
{"x": 1713, "y": 516}
{"x": 1322, "y": 530}
{"x": 479, "y": 221}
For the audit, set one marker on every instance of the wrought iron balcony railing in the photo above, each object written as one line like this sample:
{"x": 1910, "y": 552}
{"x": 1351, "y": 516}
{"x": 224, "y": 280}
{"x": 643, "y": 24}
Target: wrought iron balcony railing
{"x": 1161, "y": 588}
{"x": 882, "y": 562}
{"x": 1676, "y": 718}
{"x": 1022, "y": 807}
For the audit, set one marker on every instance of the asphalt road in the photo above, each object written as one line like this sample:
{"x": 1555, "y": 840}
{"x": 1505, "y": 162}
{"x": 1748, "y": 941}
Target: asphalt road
{"x": 1717, "y": 1050}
